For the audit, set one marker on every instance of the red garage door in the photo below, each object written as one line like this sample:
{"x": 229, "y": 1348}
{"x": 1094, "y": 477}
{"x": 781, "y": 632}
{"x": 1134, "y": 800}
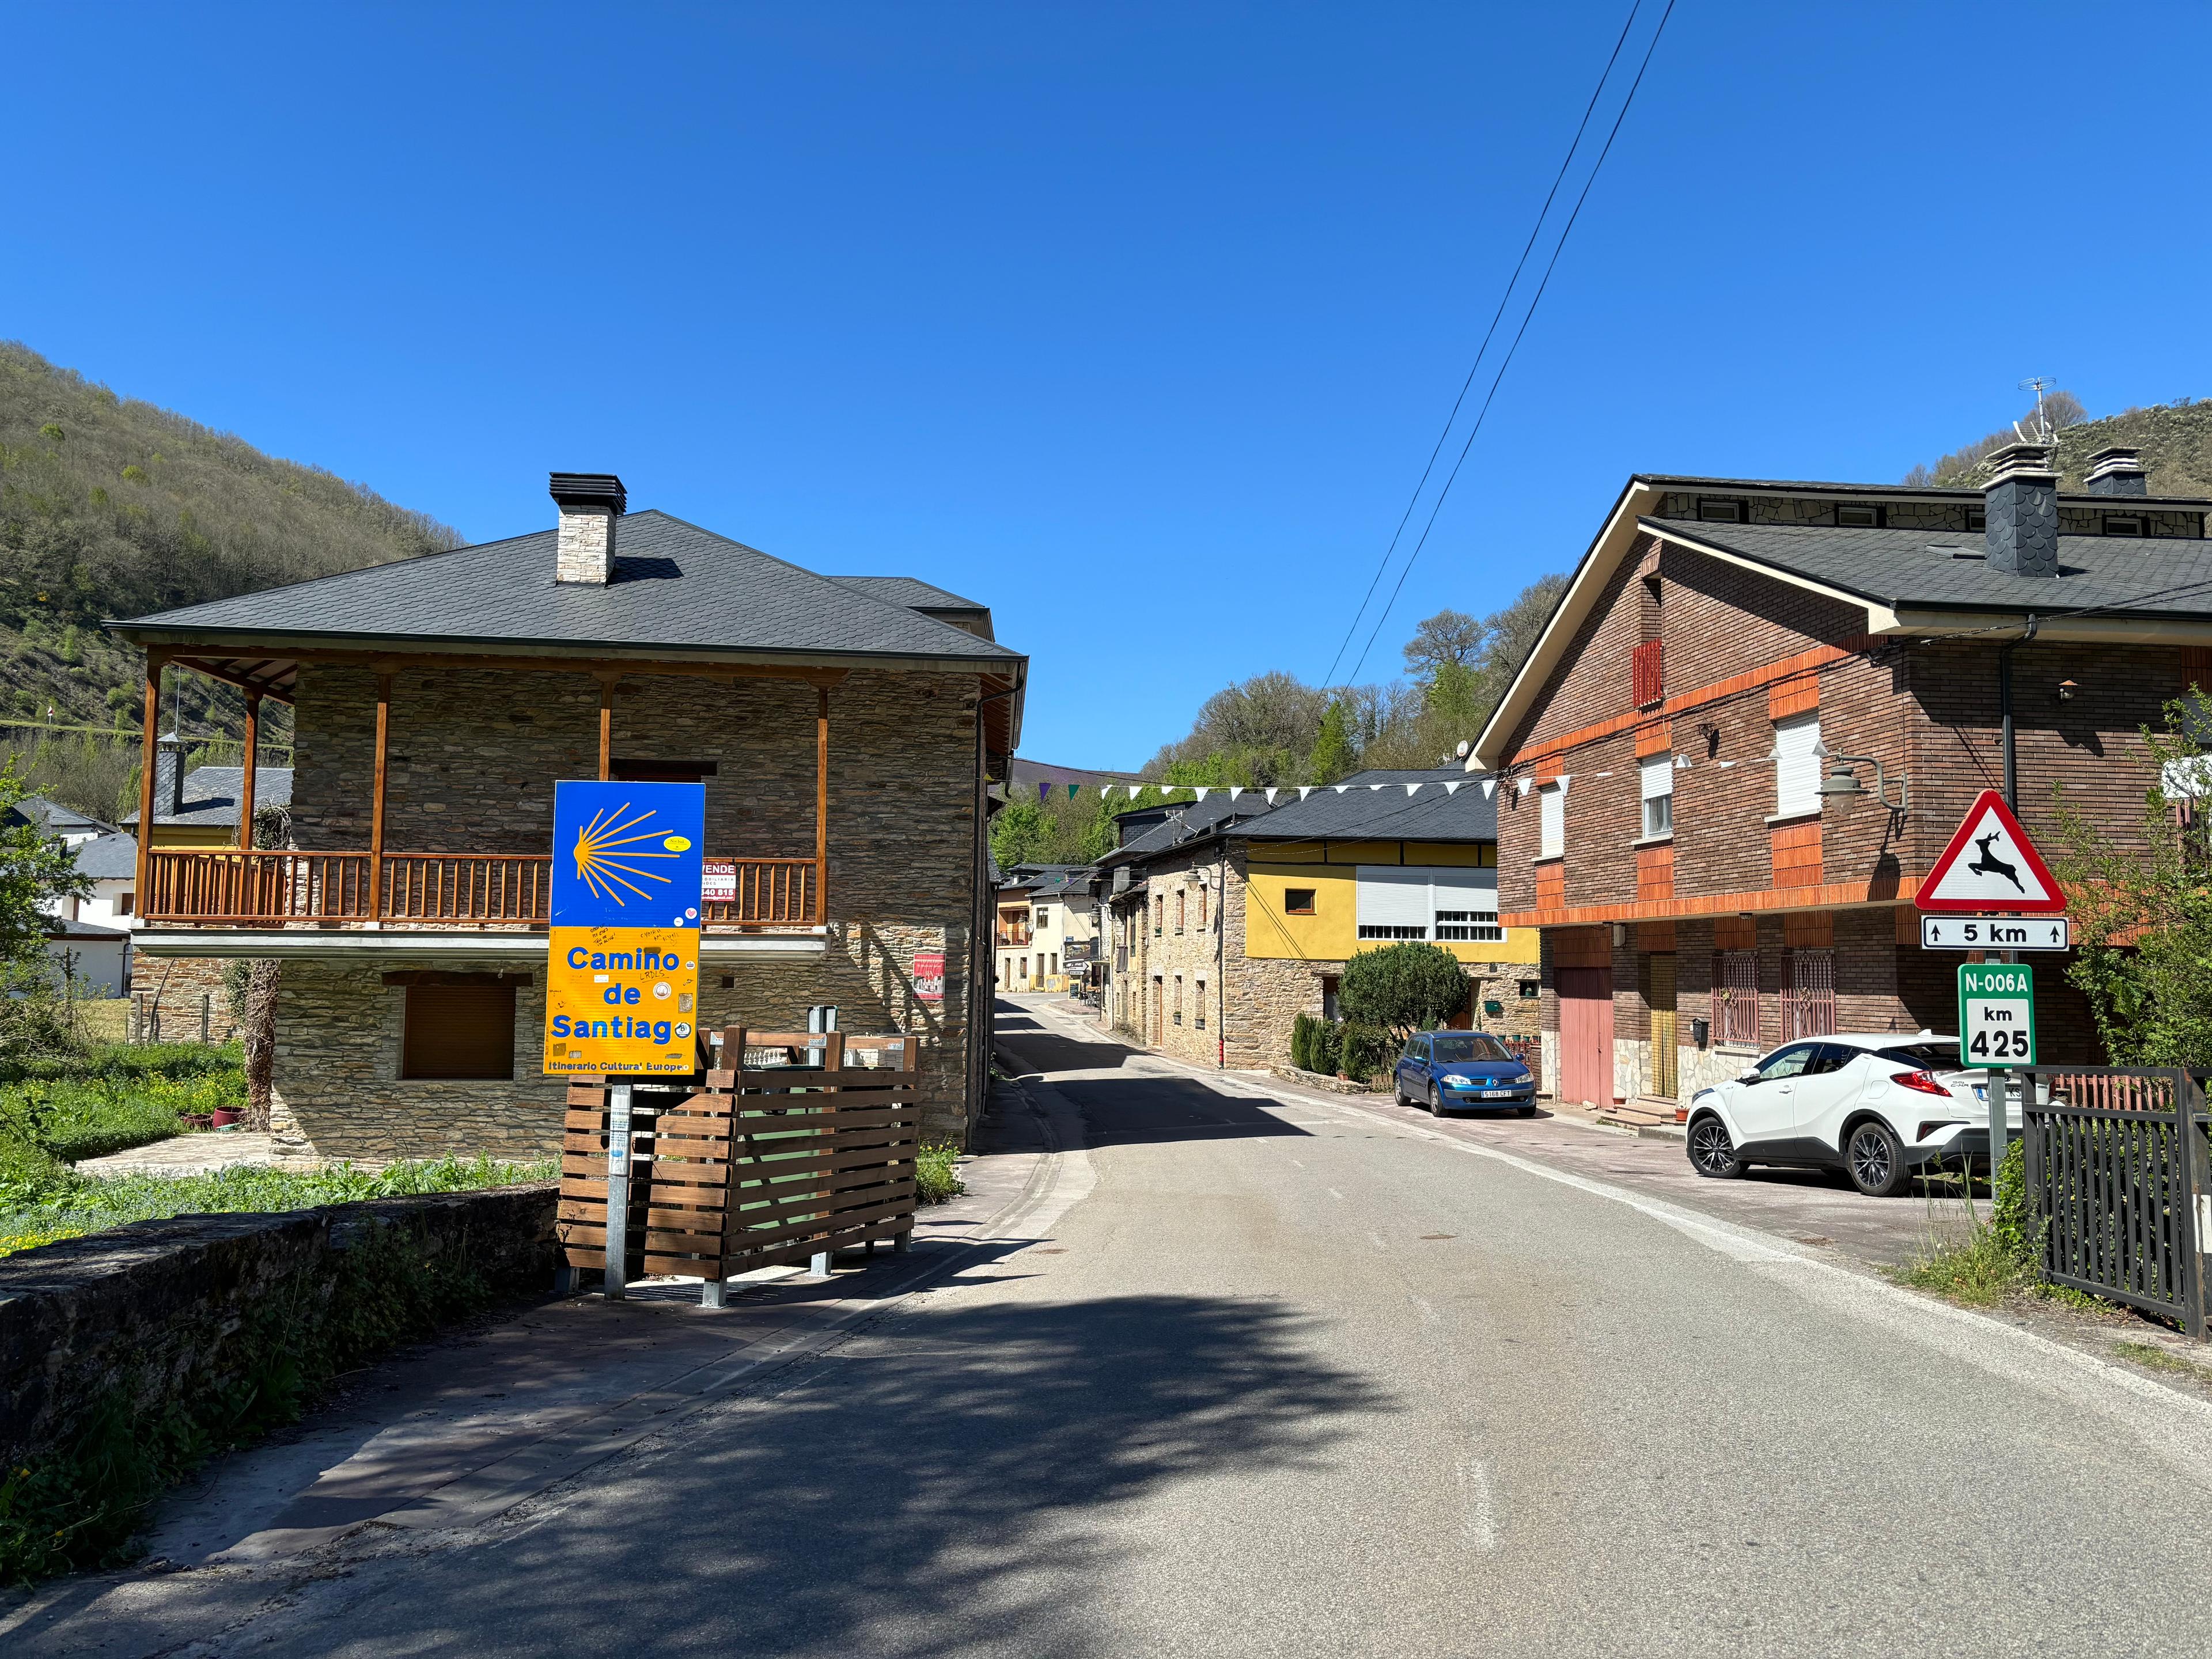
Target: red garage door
{"x": 1585, "y": 1035}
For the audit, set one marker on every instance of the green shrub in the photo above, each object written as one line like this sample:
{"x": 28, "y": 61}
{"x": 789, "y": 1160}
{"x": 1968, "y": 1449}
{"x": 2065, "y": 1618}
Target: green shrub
{"x": 1363, "y": 1049}
{"x": 1402, "y": 989}
{"x": 936, "y": 1178}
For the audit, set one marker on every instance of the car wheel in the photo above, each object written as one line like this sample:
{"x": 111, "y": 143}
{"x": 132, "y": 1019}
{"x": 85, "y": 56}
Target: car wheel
{"x": 1712, "y": 1153}
{"x": 1398, "y": 1088}
{"x": 1876, "y": 1161}
{"x": 1436, "y": 1101}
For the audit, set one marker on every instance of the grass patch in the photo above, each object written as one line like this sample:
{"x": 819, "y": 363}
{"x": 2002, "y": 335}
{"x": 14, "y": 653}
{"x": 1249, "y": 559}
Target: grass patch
{"x": 2156, "y": 1358}
{"x": 80, "y": 1205}
{"x": 935, "y": 1177}
{"x": 58, "y": 1108}
{"x": 1996, "y": 1258}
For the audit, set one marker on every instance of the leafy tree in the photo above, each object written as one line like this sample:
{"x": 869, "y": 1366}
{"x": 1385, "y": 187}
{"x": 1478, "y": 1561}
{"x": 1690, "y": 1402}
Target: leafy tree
{"x": 1407, "y": 988}
{"x": 1332, "y": 757}
{"x": 1021, "y": 834}
{"x": 37, "y": 873}
{"x": 2141, "y": 905}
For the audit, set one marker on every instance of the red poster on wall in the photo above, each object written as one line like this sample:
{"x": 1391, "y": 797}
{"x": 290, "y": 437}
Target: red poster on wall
{"x": 929, "y": 978}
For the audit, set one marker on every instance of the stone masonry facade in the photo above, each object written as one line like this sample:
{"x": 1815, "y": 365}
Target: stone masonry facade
{"x": 472, "y": 757}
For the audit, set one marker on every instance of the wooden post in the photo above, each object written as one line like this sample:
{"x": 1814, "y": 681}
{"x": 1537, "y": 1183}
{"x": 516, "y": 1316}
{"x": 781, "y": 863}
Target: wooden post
{"x": 606, "y": 727}
{"x": 376, "y": 806}
{"x": 820, "y": 804}
{"x": 245, "y": 782}
{"x": 155, "y": 662}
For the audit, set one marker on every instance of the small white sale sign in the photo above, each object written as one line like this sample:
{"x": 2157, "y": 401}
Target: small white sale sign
{"x": 718, "y": 881}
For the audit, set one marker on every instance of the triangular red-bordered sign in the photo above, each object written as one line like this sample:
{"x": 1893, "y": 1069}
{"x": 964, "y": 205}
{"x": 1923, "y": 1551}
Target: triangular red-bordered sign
{"x": 1991, "y": 866}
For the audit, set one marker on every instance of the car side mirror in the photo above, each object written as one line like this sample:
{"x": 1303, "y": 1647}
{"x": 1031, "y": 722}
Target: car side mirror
{"x": 1749, "y": 1074}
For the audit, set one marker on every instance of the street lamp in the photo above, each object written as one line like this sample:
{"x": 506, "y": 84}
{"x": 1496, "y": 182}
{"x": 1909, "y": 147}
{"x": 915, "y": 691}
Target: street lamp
{"x": 1843, "y": 783}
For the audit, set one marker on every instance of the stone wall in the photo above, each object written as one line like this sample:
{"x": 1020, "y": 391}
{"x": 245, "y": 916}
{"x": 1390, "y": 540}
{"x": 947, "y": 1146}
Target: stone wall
{"x": 472, "y": 758}
{"x": 173, "y": 985}
{"x": 156, "y": 1308}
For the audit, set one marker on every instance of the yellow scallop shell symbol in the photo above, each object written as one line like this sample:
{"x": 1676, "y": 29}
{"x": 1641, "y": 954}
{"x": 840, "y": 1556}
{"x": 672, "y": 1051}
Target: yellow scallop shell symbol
{"x": 678, "y": 843}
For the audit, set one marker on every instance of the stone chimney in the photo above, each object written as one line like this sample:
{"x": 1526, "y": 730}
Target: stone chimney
{"x": 590, "y": 505}
{"x": 168, "y": 779}
{"x": 2118, "y": 471}
{"x": 2022, "y": 508}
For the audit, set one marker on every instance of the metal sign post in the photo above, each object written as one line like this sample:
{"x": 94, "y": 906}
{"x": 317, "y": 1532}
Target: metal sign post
{"x": 617, "y": 1250}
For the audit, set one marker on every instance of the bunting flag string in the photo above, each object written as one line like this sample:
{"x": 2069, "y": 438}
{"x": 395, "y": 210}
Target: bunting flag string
{"x": 1304, "y": 789}
{"x": 1236, "y": 790}
{"x": 1271, "y": 794}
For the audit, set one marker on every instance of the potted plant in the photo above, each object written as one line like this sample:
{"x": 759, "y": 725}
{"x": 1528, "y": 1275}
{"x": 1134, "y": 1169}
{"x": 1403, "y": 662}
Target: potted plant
{"x": 223, "y": 1116}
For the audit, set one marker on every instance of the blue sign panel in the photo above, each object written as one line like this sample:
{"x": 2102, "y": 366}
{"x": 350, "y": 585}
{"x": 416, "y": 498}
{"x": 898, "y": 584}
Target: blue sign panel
{"x": 628, "y": 854}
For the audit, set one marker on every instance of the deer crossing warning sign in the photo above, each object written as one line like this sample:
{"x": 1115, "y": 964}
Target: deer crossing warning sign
{"x": 1991, "y": 866}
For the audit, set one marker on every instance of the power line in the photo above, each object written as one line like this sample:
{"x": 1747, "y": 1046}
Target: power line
{"x": 1527, "y": 318}
{"x": 1535, "y": 230}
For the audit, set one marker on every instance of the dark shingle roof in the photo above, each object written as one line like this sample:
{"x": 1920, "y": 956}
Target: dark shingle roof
{"x": 1362, "y": 811}
{"x": 1916, "y": 567}
{"x": 63, "y": 927}
{"x": 211, "y": 794}
{"x": 911, "y": 592}
{"x": 677, "y": 586}
{"x": 1187, "y": 820}
{"x": 108, "y": 856}
{"x": 50, "y": 817}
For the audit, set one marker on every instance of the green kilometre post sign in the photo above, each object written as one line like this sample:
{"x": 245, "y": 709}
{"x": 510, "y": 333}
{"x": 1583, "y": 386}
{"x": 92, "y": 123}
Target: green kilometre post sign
{"x": 1996, "y": 1014}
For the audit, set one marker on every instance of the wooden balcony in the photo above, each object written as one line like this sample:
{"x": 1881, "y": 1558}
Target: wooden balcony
{"x": 220, "y": 887}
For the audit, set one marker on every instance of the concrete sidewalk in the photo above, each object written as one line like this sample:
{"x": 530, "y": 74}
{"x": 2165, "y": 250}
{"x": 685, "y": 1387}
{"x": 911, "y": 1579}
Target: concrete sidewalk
{"x": 462, "y": 1428}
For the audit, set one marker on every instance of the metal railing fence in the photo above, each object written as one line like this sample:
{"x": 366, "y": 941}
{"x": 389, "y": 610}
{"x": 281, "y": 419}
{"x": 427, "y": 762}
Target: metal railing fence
{"x": 2119, "y": 1184}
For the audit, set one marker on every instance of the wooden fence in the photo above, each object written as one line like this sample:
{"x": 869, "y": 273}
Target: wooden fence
{"x": 795, "y": 1145}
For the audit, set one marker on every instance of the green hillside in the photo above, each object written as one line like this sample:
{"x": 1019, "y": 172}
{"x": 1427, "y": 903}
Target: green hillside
{"x": 113, "y": 507}
{"x": 2176, "y": 440}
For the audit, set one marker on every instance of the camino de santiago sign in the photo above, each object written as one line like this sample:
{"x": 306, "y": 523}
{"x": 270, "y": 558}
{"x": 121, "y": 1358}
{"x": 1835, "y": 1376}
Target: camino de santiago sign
{"x": 622, "y": 977}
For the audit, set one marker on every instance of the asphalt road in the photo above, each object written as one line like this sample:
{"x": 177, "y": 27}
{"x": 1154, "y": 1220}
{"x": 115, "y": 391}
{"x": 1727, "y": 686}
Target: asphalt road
{"x": 1287, "y": 1376}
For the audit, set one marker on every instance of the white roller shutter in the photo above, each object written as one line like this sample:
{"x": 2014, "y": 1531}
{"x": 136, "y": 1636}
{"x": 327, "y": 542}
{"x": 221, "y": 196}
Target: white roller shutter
{"x": 1797, "y": 766}
{"x": 1393, "y": 903}
{"x": 1464, "y": 902}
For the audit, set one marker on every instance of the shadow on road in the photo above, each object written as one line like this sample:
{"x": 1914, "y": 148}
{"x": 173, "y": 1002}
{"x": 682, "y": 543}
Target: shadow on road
{"x": 1048, "y": 1049}
{"x": 938, "y": 1487}
{"x": 1145, "y": 1110}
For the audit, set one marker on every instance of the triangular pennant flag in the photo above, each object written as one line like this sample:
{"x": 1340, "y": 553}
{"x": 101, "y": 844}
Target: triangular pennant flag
{"x": 1235, "y": 791}
{"x": 1135, "y": 790}
{"x": 1523, "y": 786}
{"x": 1043, "y": 790}
{"x": 1489, "y": 787}
{"x": 1304, "y": 789}
{"x": 1372, "y": 787}
{"x": 1072, "y": 788}
{"x": 1340, "y": 787}
{"x": 1203, "y": 793}
{"x": 1271, "y": 794}
{"x": 1410, "y": 788}
{"x": 1451, "y": 789}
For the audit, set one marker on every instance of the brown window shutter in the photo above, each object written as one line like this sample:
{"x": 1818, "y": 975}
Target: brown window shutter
{"x": 459, "y": 1031}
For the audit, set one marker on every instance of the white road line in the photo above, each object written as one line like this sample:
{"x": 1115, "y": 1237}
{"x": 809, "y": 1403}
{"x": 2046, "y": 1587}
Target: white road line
{"x": 1335, "y": 1194}
{"x": 1478, "y": 1524}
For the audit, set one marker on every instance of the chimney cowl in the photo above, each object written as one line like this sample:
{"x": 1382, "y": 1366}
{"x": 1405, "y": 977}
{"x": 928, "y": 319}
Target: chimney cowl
{"x": 2021, "y": 511}
{"x": 591, "y": 504}
{"x": 2117, "y": 470}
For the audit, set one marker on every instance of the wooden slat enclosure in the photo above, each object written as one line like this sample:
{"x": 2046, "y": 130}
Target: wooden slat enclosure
{"x": 806, "y": 1145}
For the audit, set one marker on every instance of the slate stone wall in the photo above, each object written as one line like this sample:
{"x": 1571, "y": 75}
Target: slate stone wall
{"x": 472, "y": 757}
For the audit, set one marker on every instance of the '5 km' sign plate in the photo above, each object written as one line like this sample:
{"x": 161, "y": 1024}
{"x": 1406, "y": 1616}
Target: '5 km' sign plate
{"x": 1996, "y": 1014}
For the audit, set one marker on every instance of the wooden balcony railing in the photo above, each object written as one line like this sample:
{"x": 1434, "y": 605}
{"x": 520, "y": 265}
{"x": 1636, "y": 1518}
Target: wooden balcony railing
{"x": 223, "y": 887}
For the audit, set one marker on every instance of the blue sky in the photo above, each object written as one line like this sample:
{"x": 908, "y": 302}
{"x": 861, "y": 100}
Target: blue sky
{"x": 1135, "y": 322}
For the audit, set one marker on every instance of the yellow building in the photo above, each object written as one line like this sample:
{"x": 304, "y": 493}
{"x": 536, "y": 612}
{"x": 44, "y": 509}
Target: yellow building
{"x": 1231, "y": 916}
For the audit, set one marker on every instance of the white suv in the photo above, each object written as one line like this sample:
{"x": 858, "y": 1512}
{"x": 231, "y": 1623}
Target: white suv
{"x": 1878, "y": 1108}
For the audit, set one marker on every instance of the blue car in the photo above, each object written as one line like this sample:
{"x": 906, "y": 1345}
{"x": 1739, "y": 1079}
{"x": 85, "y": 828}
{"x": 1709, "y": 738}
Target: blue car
{"x": 1449, "y": 1070}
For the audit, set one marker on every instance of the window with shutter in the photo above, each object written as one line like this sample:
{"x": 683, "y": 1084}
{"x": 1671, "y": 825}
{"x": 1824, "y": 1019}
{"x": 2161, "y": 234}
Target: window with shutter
{"x": 459, "y": 1031}
{"x": 1551, "y": 821}
{"x": 1797, "y": 765}
{"x": 1656, "y": 777}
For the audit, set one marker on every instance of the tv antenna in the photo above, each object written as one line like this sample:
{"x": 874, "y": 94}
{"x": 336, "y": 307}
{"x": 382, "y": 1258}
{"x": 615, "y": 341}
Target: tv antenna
{"x": 2037, "y": 383}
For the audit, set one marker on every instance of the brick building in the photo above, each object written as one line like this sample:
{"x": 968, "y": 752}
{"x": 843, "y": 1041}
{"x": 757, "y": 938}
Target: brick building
{"x": 1045, "y": 927}
{"x": 1678, "y": 816}
{"x": 1228, "y": 918}
{"x": 846, "y": 729}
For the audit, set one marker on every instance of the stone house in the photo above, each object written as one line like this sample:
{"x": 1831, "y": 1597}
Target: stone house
{"x": 1045, "y": 925}
{"x": 846, "y": 729}
{"x": 1693, "y": 753}
{"x": 1227, "y": 918}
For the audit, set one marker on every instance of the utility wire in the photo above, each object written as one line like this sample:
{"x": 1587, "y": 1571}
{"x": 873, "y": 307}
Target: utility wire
{"x": 1535, "y": 230}
{"x": 1527, "y": 318}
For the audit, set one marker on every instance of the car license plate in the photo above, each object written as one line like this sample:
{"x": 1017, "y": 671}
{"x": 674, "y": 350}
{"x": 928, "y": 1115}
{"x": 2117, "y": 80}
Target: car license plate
{"x": 1498, "y": 1094}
